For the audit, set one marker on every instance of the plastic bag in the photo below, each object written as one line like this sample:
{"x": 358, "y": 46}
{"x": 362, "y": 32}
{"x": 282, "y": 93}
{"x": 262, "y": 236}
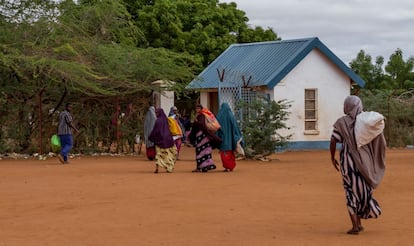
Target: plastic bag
{"x": 55, "y": 143}
{"x": 239, "y": 148}
{"x": 368, "y": 125}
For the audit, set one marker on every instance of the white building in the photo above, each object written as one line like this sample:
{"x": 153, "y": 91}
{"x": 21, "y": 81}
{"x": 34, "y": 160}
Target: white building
{"x": 302, "y": 71}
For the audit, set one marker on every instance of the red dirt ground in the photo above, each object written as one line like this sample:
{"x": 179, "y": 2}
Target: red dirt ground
{"x": 296, "y": 199}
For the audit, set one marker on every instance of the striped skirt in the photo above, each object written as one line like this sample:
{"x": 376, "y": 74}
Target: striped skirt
{"x": 358, "y": 192}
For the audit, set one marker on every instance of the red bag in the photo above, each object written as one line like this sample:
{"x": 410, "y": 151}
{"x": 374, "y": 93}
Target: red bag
{"x": 150, "y": 151}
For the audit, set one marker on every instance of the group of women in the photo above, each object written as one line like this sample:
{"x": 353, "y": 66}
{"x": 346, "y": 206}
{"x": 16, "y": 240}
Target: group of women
{"x": 362, "y": 167}
{"x": 163, "y": 146}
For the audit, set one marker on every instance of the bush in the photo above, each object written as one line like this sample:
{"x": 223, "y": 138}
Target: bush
{"x": 398, "y": 112}
{"x": 261, "y": 120}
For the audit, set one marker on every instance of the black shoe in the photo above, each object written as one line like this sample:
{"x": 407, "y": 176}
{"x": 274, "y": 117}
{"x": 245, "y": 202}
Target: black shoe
{"x": 211, "y": 167}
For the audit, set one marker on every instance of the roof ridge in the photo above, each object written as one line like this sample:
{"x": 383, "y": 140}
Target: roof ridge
{"x": 277, "y": 41}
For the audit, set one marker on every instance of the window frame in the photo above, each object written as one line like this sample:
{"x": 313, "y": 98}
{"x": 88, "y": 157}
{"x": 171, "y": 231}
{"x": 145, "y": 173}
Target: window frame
{"x": 314, "y": 111}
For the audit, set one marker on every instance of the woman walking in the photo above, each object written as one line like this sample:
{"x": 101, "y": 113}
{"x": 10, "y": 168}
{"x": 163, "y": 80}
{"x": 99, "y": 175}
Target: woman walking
{"x": 178, "y": 129}
{"x": 165, "y": 149}
{"x": 149, "y": 123}
{"x": 204, "y": 141}
{"x": 362, "y": 168}
{"x": 230, "y": 134}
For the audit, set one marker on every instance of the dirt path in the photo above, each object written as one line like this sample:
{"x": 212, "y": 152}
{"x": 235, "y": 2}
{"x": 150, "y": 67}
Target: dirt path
{"x": 294, "y": 200}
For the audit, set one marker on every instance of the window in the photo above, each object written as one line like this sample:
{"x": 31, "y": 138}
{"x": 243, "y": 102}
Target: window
{"x": 311, "y": 112}
{"x": 248, "y": 96}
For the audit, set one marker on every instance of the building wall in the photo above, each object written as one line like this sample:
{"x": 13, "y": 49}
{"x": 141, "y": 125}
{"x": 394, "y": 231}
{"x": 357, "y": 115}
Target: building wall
{"x": 333, "y": 86}
{"x": 167, "y": 101}
{"x": 163, "y": 98}
{"x": 204, "y": 99}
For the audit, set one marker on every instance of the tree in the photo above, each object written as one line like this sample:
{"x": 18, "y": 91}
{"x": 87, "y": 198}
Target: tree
{"x": 372, "y": 74}
{"x": 74, "y": 57}
{"x": 203, "y": 28}
{"x": 400, "y": 71}
{"x": 398, "y": 74}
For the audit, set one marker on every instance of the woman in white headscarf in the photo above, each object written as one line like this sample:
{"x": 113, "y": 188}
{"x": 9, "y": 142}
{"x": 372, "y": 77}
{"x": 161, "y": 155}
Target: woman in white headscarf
{"x": 362, "y": 168}
{"x": 149, "y": 123}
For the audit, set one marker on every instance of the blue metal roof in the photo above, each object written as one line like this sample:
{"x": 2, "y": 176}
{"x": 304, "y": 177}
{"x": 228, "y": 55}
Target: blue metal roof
{"x": 263, "y": 64}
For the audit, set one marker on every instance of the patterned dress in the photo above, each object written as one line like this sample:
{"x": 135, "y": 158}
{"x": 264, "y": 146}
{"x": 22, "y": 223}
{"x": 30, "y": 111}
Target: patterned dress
{"x": 203, "y": 152}
{"x": 358, "y": 193}
{"x": 204, "y": 141}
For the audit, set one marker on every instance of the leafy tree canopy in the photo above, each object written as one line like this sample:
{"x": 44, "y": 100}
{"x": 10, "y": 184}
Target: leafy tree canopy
{"x": 400, "y": 72}
{"x": 397, "y": 74}
{"x": 89, "y": 49}
{"x": 203, "y": 28}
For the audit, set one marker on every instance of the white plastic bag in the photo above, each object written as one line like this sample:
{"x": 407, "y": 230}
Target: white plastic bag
{"x": 368, "y": 125}
{"x": 239, "y": 148}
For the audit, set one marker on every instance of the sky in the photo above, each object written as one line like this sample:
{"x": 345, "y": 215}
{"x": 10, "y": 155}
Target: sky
{"x": 345, "y": 26}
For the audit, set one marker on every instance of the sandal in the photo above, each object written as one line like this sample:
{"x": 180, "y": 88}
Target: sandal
{"x": 353, "y": 232}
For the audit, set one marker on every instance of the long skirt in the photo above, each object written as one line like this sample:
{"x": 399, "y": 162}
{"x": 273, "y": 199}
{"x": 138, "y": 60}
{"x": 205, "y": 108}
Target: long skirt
{"x": 358, "y": 192}
{"x": 203, "y": 152}
{"x": 166, "y": 157}
{"x": 228, "y": 159}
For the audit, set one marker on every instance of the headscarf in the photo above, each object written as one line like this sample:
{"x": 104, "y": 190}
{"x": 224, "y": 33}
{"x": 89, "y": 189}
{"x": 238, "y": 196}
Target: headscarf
{"x": 370, "y": 158}
{"x": 149, "y": 123}
{"x": 229, "y": 131}
{"x": 161, "y": 135}
{"x": 172, "y": 113}
{"x": 352, "y": 106}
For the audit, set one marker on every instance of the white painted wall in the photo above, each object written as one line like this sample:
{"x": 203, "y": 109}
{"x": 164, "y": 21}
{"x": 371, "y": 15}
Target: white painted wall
{"x": 204, "y": 99}
{"x": 167, "y": 101}
{"x": 164, "y": 98}
{"x": 314, "y": 71}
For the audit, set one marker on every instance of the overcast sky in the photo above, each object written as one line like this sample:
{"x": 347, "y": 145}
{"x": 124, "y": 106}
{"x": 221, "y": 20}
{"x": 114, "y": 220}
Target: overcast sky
{"x": 345, "y": 26}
